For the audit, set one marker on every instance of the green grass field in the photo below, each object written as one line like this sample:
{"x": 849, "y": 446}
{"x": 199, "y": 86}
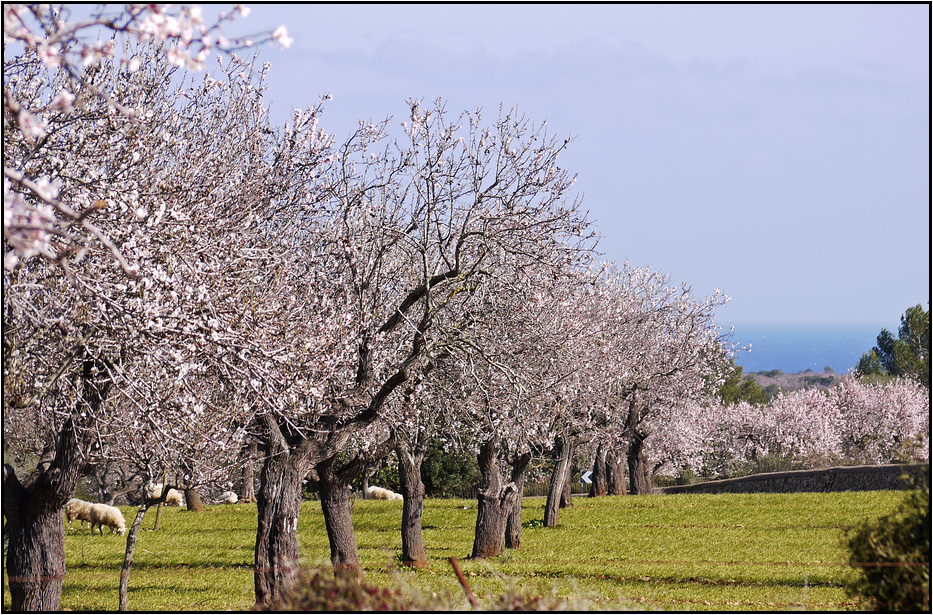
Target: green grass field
{"x": 673, "y": 552}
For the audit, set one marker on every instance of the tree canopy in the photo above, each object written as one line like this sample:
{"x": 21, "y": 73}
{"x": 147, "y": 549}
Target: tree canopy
{"x": 907, "y": 355}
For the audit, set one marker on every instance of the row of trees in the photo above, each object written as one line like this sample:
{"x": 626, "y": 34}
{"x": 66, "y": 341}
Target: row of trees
{"x": 182, "y": 279}
{"x": 189, "y": 288}
{"x": 854, "y": 422}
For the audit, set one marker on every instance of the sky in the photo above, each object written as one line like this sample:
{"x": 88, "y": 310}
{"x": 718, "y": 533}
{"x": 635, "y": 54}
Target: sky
{"x": 778, "y": 152}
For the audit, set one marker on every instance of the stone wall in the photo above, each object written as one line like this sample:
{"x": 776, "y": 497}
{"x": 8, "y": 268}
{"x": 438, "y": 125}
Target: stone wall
{"x": 850, "y": 478}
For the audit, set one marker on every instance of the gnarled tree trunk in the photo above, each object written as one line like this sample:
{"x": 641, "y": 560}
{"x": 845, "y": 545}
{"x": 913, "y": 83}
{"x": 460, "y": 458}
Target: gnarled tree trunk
{"x": 279, "y": 505}
{"x": 35, "y": 562}
{"x": 495, "y": 500}
{"x": 615, "y": 473}
{"x": 513, "y": 527}
{"x": 608, "y": 472}
{"x": 560, "y": 480}
{"x": 36, "y": 553}
{"x": 412, "y": 487}
{"x": 193, "y": 501}
{"x": 599, "y": 476}
{"x": 337, "y": 507}
{"x": 638, "y": 471}
{"x": 566, "y": 494}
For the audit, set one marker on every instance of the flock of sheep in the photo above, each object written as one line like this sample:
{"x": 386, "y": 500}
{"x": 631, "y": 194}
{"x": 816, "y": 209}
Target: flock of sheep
{"x": 99, "y": 515}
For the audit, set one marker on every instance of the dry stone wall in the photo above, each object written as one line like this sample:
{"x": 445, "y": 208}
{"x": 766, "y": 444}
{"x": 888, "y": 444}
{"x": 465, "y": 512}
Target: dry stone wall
{"x": 849, "y": 478}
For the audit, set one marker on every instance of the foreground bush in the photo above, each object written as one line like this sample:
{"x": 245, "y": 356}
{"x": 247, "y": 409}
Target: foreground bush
{"x": 322, "y": 590}
{"x": 892, "y": 556}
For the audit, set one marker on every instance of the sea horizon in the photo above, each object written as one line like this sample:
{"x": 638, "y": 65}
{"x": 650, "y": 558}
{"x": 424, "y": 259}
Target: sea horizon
{"x": 798, "y": 347}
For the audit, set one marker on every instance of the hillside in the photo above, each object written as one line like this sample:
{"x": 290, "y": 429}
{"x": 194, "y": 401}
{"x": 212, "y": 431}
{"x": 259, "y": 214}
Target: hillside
{"x": 793, "y": 382}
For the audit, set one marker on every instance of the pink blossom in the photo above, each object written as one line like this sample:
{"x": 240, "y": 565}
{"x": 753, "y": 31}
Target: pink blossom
{"x": 32, "y": 127}
{"x": 281, "y": 35}
{"x": 49, "y": 56}
{"x": 63, "y": 101}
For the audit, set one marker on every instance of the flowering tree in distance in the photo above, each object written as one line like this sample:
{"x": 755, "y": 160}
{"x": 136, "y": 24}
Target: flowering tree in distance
{"x": 855, "y": 421}
{"x": 661, "y": 350}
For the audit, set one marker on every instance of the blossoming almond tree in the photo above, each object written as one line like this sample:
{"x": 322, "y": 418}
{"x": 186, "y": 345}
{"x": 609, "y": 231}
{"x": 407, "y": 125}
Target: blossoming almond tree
{"x": 662, "y": 349}
{"x": 515, "y": 388}
{"x": 421, "y": 228}
{"x": 82, "y": 341}
{"x": 852, "y": 422}
{"x": 68, "y": 45}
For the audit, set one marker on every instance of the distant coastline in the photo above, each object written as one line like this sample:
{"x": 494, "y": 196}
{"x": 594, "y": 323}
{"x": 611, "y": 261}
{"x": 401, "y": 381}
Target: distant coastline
{"x": 794, "y": 348}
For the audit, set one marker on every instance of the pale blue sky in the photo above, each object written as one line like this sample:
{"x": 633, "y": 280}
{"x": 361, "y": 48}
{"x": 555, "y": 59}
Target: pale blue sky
{"x": 777, "y": 152}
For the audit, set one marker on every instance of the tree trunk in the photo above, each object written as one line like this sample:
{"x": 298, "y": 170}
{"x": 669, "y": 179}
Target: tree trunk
{"x": 560, "y": 479}
{"x": 128, "y": 557}
{"x": 36, "y": 552}
{"x": 615, "y": 473}
{"x": 513, "y": 527}
{"x": 494, "y": 504}
{"x": 337, "y": 507}
{"x": 290, "y": 456}
{"x": 566, "y": 494}
{"x": 639, "y": 474}
{"x": 599, "y": 477}
{"x": 366, "y": 487}
{"x": 278, "y": 506}
{"x": 158, "y": 521}
{"x": 247, "y": 489}
{"x": 193, "y": 501}
{"x": 35, "y": 527}
{"x": 412, "y": 487}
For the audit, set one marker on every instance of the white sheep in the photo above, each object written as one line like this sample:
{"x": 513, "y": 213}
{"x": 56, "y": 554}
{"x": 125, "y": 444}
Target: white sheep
{"x": 378, "y": 493}
{"x": 228, "y": 497}
{"x": 103, "y": 514}
{"x": 77, "y": 509}
{"x": 174, "y": 497}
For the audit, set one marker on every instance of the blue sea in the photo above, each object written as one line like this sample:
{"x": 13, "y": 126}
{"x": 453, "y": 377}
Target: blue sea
{"x": 794, "y": 348}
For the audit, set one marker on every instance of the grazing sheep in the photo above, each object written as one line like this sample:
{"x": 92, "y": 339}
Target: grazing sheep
{"x": 378, "y": 493}
{"x": 174, "y": 497}
{"x": 102, "y": 514}
{"x": 228, "y": 497}
{"x": 77, "y": 509}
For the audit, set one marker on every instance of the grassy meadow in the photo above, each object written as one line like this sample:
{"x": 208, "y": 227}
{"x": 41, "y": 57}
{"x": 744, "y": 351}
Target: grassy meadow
{"x": 673, "y": 552}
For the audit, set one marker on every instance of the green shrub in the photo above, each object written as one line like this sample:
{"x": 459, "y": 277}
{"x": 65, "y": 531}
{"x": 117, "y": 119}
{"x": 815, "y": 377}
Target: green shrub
{"x": 449, "y": 473}
{"x": 892, "y": 556}
{"x": 771, "y": 391}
